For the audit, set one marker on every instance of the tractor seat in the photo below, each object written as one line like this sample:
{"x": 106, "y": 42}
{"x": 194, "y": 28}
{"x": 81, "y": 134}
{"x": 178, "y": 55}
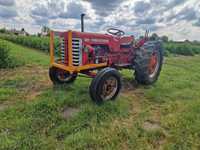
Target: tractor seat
{"x": 126, "y": 41}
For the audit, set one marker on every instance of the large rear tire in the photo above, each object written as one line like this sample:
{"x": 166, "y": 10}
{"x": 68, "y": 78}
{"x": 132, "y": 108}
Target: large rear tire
{"x": 59, "y": 76}
{"x": 148, "y": 62}
{"x": 106, "y": 85}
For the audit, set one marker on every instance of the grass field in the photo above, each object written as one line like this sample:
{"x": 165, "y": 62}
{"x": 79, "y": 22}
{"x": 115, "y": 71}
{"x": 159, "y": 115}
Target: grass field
{"x": 36, "y": 115}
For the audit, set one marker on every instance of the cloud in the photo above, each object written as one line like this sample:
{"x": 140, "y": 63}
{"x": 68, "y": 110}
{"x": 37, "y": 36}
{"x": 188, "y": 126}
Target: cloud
{"x": 74, "y": 10}
{"x": 47, "y": 9}
{"x": 6, "y": 12}
{"x": 55, "y": 8}
{"x": 43, "y": 13}
{"x": 147, "y": 21}
{"x": 167, "y": 4}
{"x": 40, "y": 13}
{"x": 142, "y": 7}
{"x": 7, "y": 2}
{"x": 39, "y": 20}
{"x": 104, "y": 7}
{"x": 187, "y": 14}
{"x": 40, "y": 10}
{"x": 174, "y": 3}
{"x": 65, "y": 23}
{"x": 132, "y": 16}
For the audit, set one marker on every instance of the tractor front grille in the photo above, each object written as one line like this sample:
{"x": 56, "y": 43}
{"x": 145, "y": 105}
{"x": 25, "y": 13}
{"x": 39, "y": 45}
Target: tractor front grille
{"x": 76, "y": 51}
{"x": 62, "y": 50}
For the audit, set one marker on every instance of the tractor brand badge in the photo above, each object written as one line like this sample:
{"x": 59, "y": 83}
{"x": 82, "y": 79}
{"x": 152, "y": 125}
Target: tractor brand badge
{"x": 97, "y": 40}
{"x": 100, "y": 40}
{"x": 87, "y": 40}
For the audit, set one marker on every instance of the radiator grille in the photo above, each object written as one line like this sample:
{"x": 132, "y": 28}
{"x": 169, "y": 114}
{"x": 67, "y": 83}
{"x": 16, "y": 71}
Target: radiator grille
{"x": 62, "y": 50}
{"x": 76, "y": 51}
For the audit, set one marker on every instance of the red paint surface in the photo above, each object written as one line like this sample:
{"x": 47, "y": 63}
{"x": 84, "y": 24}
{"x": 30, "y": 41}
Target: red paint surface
{"x": 116, "y": 54}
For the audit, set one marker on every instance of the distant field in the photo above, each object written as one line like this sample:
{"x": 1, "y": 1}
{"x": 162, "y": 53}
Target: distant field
{"x": 36, "y": 115}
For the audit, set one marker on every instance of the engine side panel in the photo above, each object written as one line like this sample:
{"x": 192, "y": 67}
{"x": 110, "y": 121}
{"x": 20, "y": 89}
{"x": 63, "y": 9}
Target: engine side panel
{"x": 100, "y": 48}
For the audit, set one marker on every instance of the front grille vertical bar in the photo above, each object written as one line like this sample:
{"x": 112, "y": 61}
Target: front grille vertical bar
{"x": 70, "y": 48}
{"x": 62, "y": 50}
{"x": 51, "y": 47}
{"x": 80, "y": 53}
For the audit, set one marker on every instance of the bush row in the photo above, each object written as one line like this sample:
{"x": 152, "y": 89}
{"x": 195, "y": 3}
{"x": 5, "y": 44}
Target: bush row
{"x": 187, "y": 49}
{"x": 6, "y": 61}
{"x": 41, "y": 43}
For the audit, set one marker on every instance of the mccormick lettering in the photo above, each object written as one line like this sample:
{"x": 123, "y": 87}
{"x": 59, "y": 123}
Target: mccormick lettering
{"x": 97, "y": 40}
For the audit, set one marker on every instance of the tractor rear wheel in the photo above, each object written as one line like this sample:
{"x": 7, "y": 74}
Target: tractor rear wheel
{"x": 148, "y": 62}
{"x": 106, "y": 85}
{"x": 59, "y": 76}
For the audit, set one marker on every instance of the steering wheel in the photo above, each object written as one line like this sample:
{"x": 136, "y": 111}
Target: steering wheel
{"x": 115, "y": 31}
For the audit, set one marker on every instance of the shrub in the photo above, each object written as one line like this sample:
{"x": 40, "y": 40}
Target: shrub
{"x": 166, "y": 53}
{"x": 41, "y": 43}
{"x": 182, "y": 48}
{"x": 4, "y": 57}
{"x": 5, "y": 60}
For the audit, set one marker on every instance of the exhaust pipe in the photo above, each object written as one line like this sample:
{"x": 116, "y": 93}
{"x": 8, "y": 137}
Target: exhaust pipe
{"x": 82, "y": 22}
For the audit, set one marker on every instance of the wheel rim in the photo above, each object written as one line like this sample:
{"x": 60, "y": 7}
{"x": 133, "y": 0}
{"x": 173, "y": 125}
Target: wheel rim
{"x": 63, "y": 76}
{"x": 109, "y": 89}
{"x": 153, "y": 64}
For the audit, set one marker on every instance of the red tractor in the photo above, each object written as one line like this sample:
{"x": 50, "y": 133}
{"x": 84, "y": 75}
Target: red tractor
{"x": 100, "y": 56}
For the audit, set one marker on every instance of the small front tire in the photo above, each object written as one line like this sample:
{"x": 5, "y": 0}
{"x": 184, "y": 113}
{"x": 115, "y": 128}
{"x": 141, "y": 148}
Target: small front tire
{"x": 106, "y": 85}
{"x": 59, "y": 76}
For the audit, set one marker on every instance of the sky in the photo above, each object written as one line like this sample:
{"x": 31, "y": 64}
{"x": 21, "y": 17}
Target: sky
{"x": 178, "y": 19}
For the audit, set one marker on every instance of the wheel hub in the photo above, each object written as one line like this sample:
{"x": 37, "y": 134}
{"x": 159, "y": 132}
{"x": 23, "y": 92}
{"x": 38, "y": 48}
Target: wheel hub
{"x": 109, "y": 88}
{"x": 63, "y": 76}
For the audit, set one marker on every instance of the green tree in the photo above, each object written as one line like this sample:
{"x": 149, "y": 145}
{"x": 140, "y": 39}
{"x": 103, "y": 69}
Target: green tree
{"x": 45, "y": 31}
{"x": 23, "y": 30}
{"x": 154, "y": 36}
{"x": 3, "y": 30}
{"x": 165, "y": 38}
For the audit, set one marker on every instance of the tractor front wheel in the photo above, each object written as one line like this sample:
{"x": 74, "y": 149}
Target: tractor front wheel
{"x": 59, "y": 76}
{"x": 106, "y": 85}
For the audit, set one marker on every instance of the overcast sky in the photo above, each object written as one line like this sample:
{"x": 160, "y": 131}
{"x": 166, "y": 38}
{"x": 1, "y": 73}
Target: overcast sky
{"x": 178, "y": 19}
